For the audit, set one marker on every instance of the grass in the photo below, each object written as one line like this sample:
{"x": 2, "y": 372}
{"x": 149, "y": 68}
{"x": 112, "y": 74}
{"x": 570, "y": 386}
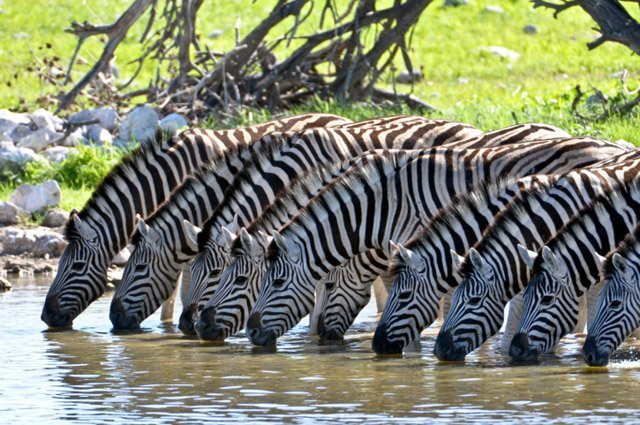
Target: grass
{"x": 462, "y": 81}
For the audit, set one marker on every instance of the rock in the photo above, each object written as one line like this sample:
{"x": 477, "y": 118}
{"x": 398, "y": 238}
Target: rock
{"x": 215, "y": 34}
{"x": 530, "y": 29}
{"x": 73, "y": 139}
{"x": 627, "y": 145}
{"x": 107, "y": 117}
{"x": 140, "y": 125}
{"x": 55, "y": 218}
{"x": 36, "y": 199}
{"x": 405, "y": 77}
{"x": 5, "y": 285}
{"x": 121, "y": 258}
{"x": 12, "y": 268}
{"x": 97, "y": 135}
{"x": 10, "y": 213}
{"x": 493, "y": 9}
{"x": 172, "y": 123}
{"x": 19, "y": 132}
{"x": 49, "y": 245}
{"x": 56, "y": 153}
{"x": 456, "y": 3}
{"x": 40, "y": 242}
{"x": 44, "y": 269}
{"x": 46, "y": 120}
{"x": 502, "y": 52}
{"x": 13, "y": 158}
{"x": 39, "y": 139}
{"x": 10, "y": 120}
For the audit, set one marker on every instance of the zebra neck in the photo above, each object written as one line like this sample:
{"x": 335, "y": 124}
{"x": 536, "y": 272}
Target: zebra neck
{"x": 597, "y": 229}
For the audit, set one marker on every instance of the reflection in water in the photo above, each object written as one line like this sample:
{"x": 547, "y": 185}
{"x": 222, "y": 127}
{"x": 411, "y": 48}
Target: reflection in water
{"x": 159, "y": 376}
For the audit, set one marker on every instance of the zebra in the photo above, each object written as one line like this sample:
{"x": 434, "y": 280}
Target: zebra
{"x": 425, "y": 271}
{"x": 617, "y": 312}
{"x": 388, "y": 198}
{"x": 347, "y": 288}
{"x": 139, "y": 184}
{"x": 153, "y": 268}
{"x": 566, "y": 267}
{"x": 493, "y": 271}
{"x": 214, "y": 253}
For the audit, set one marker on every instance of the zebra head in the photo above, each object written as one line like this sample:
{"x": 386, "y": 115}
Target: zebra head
{"x": 617, "y": 310}
{"x": 410, "y": 305}
{"x": 81, "y": 277}
{"x": 206, "y": 270}
{"x": 347, "y": 291}
{"x": 477, "y": 310}
{"x": 286, "y": 294}
{"x": 149, "y": 277}
{"x": 226, "y": 312}
{"x": 550, "y": 306}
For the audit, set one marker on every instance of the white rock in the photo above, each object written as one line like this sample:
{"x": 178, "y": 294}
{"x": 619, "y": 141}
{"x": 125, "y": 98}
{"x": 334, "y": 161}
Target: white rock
{"x": 38, "y": 241}
{"x": 73, "y": 139}
{"x": 20, "y": 132}
{"x": 45, "y": 119}
{"x": 39, "y": 139}
{"x": 13, "y": 158}
{"x": 215, "y": 34}
{"x": 494, "y": 9}
{"x": 49, "y": 244}
{"x": 407, "y": 78}
{"x": 502, "y": 52}
{"x": 10, "y": 213}
{"x": 121, "y": 258}
{"x": 530, "y": 29}
{"x": 57, "y": 153}
{"x": 16, "y": 241}
{"x": 55, "y": 218}
{"x": 172, "y": 123}
{"x": 5, "y": 285}
{"x": 140, "y": 125}
{"x": 97, "y": 135}
{"x": 36, "y": 199}
{"x": 10, "y": 120}
{"x": 107, "y": 117}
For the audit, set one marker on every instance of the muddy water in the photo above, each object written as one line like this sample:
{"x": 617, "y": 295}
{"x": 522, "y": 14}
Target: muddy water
{"x": 91, "y": 375}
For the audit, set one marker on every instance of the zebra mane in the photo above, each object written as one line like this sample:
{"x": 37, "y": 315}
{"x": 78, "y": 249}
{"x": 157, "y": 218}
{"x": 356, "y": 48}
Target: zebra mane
{"x": 368, "y": 168}
{"x": 459, "y": 206}
{"x": 260, "y": 159}
{"x": 628, "y": 245}
{"x": 573, "y": 229}
{"x": 127, "y": 166}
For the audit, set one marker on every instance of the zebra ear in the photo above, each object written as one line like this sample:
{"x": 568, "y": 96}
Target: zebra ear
{"x": 191, "y": 232}
{"x": 528, "y": 256}
{"x": 226, "y": 237}
{"x": 143, "y": 229}
{"x": 84, "y": 230}
{"x": 409, "y": 258}
{"x": 600, "y": 260}
{"x": 476, "y": 260}
{"x": 620, "y": 265}
{"x": 290, "y": 250}
{"x": 555, "y": 264}
{"x": 248, "y": 242}
{"x": 456, "y": 258}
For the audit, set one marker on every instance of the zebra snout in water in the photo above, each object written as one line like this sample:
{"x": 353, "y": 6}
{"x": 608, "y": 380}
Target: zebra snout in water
{"x": 520, "y": 349}
{"x": 206, "y": 328}
{"x": 592, "y": 355}
{"x": 445, "y": 349}
{"x": 381, "y": 343}
{"x": 188, "y": 319}
{"x": 120, "y": 318}
{"x": 257, "y": 334}
{"x": 53, "y": 316}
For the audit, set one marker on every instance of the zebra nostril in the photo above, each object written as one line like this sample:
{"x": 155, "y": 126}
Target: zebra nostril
{"x": 254, "y": 322}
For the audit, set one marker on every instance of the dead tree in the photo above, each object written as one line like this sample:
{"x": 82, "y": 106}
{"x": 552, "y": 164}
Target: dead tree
{"x": 357, "y": 43}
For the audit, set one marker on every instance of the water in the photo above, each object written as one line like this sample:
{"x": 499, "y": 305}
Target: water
{"x": 90, "y": 375}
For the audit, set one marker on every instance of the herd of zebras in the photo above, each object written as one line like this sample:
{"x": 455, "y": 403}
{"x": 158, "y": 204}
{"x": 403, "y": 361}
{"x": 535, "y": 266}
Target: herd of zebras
{"x": 304, "y": 214}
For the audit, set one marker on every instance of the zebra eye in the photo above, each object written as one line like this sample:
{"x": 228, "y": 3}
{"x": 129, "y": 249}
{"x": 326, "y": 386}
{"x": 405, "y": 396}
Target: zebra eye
{"x": 215, "y": 272}
{"x": 141, "y": 267}
{"x": 278, "y": 283}
{"x": 547, "y": 299}
{"x": 405, "y": 295}
{"x": 330, "y": 286}
{"x": 615, "y": 304}
{"x": 241, "y": 280}
{"x": 474, "y": 301}
{"x": 77, "y": 266}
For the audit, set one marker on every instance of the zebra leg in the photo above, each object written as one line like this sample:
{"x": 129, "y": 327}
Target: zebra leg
{"x": 185, "y": 284}
{"x": 582, "y": 315}
{"x": 592, "y": 300}
{"x": 446, "y": 304}
{"x": 380, "y": 291}
{"x": 166, "y": 314}
{"x": 516, "y": 307}
{"x": 318, "y": 309}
